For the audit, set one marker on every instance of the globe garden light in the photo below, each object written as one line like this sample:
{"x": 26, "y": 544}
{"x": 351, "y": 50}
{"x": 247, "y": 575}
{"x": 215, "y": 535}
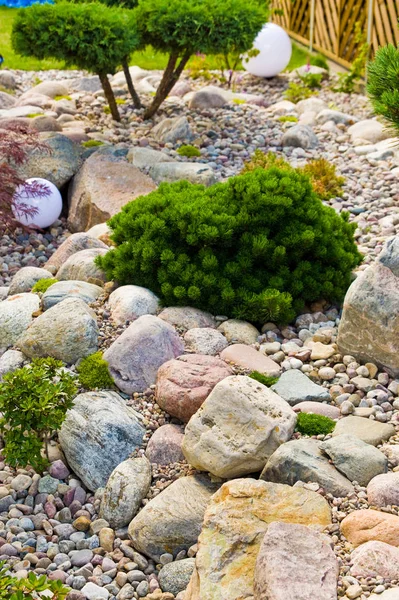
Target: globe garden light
{"x": 44, "y": 200}
{"x": 275, "y": 51}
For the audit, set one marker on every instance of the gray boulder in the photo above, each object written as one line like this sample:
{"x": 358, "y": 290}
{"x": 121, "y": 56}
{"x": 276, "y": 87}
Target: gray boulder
{"x": 8, "y": 80}
{"x": 300, "y": 136}
{"x": 172, "y": 130}
{"x": 295, "y": 562}
{"x": 369, "y": 327}
{"x": 136, "y": 355}
{"x": 129, "y": 302}
{"x": 49, "y": 88}
{"x": 88, "y": 292}
{"x": 25, "y": 279}
{"x": 74, "y": 243}
{"x": 187, "y": 317}
{"x": 85, "y": 84}
{"x": 147, "y": 157}
{"x": 175, "y": 576}
{"x": 354, "y": 458}
{"x": 303, "y": 460}
{"x": 295, "y": 387}
{"x": 58, "y": 165}
{"x": 207, "y": 98}
{"x": 128, "y": 484}
{"x": 15, "y": 317}
{"x": 205, "y": 340}
{"x": 11, "y": 361}
{"x": 176, "y": 171}
{"x": 81, "y": 266}
{"x": 336, "y": 117}
{"x": 172, "y": 521}
{"x": 6, "y": 101}
{"x": 68, "y": 331}
{"x": 234, "y": 438}
{"x": 99, "y": 432}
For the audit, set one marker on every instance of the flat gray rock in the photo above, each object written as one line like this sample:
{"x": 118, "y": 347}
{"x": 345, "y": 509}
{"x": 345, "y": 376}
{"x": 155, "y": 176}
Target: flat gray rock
{"x": 295, "y": 387}
{"x": 295, "y": 563}
{"x": 303, "y": 460}
{"x": 147, "y": 157}
{"x": 88, "y": 292}
{"x": 300, "y": 136}
{"x": 99, "y": 432}
{"x": 354, "y": 458}
{"x": 371, "y": 432}
{"x": 187, "y": 317}
{"x": 176, "y": 171}
{"x": 172, "y": 521}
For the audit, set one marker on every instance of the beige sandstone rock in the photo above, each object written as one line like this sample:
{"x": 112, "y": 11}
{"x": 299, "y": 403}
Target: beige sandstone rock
{"x": 362, "y": 526}
{"x": 235, "y": 523}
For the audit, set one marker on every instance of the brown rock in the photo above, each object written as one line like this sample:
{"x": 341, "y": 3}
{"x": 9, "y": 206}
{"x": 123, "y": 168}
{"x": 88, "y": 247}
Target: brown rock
{"x": 362, "y": 526}
{"x": 164, "y": 447}
{"x": 318, "y": 408}
{"x": 73, "y": 244}
{"x": 235, "y": 523}
{"x": 185, "y": 382}
{"x": 101, "y": 187}
{"x": 249, "y": 358}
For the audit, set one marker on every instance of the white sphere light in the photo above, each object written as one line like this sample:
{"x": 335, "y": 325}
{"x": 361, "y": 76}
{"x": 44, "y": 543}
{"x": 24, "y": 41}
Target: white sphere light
{"x": 48, "y": 206}
{"x": 275, "y": 50}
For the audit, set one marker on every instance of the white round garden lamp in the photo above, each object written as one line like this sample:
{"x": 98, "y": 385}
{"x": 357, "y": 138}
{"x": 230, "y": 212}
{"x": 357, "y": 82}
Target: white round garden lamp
{"x": 47, "y": 203}
{"x": 275, "y": 51}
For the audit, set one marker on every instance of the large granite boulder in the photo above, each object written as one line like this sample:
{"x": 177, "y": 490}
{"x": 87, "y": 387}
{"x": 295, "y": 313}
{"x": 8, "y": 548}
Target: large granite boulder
{"x": 136, "y": 355}
{"x": 172, "y": 521}
{"x": 25, "y": 279}
{"x": 237, "y": 428}
{"x": 81, "y": 267}
{"x": 68, "y": 331}
{"x": 103, "y": 185}
{"x": 74, "y": 243}
{"x": 58, "y": 165}
{"x": 295, "y": 562}
{"x": 88, "y": 292}
{"x": 99, "y": 432}
{"x": 184, "y": 383}
{"x": 128, "y": 484}
{"x": 369, "y": 325}
{"x": 16, "y": 314}
{"x": 235, "y": 523}
{"x": 129, "y": 302}
{"x": 303, "y": 460}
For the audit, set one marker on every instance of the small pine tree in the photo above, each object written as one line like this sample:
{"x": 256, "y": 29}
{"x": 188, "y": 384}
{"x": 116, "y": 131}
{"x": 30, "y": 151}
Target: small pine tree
{"x": 383, "y": 84}
{"x": 90, "y": 36}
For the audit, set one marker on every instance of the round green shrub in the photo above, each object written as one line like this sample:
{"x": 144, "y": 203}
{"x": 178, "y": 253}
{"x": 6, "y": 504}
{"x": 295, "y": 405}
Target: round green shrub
{"x": 43, "y": 285}
{"x": 256, "y": 247}
{"x": 188, "y": 151}
{"x": 311, "y": 424}
{"x": 93, "y": 372}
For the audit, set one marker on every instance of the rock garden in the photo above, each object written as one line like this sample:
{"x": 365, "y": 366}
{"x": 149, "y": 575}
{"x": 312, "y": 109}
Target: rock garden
{"x": 199, "y": 360}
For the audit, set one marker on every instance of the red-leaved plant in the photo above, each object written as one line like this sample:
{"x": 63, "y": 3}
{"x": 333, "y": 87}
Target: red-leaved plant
{"x": 15, "y": 143}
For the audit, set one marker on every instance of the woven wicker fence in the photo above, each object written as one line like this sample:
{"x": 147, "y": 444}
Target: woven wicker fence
{"x": 329, "y": 25}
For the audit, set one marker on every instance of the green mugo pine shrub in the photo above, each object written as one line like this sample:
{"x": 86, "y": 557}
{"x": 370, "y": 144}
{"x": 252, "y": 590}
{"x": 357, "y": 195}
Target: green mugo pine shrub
{"x": 257, "y": 247}
{"x": 383, "y": 84}
{"x": 91, "y": 36}
{"x": 312, "y": 424}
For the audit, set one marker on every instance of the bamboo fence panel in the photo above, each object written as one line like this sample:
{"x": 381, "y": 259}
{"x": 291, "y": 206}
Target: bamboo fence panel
{"x": 334, "y": 26}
